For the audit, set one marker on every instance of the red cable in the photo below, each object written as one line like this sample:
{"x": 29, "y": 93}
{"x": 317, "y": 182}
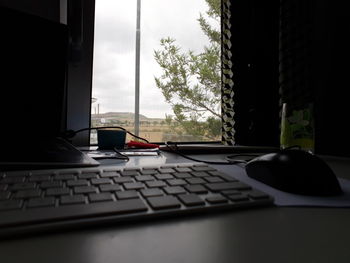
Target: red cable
{"x": 135, "y": 144}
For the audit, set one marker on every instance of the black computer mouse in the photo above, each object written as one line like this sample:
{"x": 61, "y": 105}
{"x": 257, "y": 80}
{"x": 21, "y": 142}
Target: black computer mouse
{"x": 295, "y": 171}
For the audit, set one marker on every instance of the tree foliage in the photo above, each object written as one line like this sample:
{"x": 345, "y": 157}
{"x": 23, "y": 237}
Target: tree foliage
{"x": 191, "y": 83}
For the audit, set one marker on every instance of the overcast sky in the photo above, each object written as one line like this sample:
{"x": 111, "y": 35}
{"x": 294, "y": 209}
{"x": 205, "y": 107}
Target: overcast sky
{"x": 114, "y": 54}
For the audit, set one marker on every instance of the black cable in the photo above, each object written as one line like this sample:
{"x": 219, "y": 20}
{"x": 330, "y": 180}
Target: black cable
{"x": 229, "y": 158}
{"x": 71, "y": 133}
{"x": 124, "y": 157}
{"x": 229, "y": 162}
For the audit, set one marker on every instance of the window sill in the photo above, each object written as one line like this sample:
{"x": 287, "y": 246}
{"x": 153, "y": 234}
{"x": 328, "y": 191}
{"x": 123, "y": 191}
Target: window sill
{"x": 215, "y": 148}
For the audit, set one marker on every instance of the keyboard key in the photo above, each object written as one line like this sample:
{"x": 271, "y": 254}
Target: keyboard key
{"x": 183, "y": 169}
{"x": 27, "y": 194}
{"x": 100, "y": 197}
{"x": 200, "y": 174}
{"x": 166, "y": 170}
{"x": 196, "y": 189}
{"x": 15, "y": 174}
{"x": 126, "y": 179}
{"x": 57, "y": 191}
{"x": 91, "y": 171}
{"x": 101, "y": 181}
{"x": 154, "y": 168}
{"x": 85, "y": 189}
{"x": 152, "y": 192}
{"x": 216, "y": 187}
{"x": 182, "y": 175}
{"x": 200, "y": 165}
{"x": 87, "y": 176}
{"x": 185, "y": 165}
{"x": 109, "y": 174}
{"x": 54, "y": 184}
{"x": 77, "y": 182}
{"x": 72, "y": 199}
{"x": 64, "y": 177}
{"x": 112, "y": 170}
{"x": 12, "y": 179}
{"x": 223, "y": 176}
{"x": 127, "y": 195}
{"x": 195, "y": 181}
{"x": 230, "y": 192}
{"x": 41, "y": 202}
{"x": 129, "y": 173}
{"x": 191, "y": 199}
{"x": 216, "y": 199}
{"x": 149, "y": 172}
{"x": 164, "y": 202}
{"x": 22, "y": 186}
{"x": 238, "y": 198}
{"x": 39, "y": 178}
{"x": 143, "y": 178}
{"x": 132, "y": 169}
{"x": 152, "y": 184}
{"x": 228, "y": 178}
{"x": 10, "y": 205}
{"x": 214, "y": 179}
{"x": 134, "y": 186}
{"x": 174, "y": 190}
{"x": 110, "y": 187}
{"x": 175, "y": 182}
{"x": 164, "y": 176}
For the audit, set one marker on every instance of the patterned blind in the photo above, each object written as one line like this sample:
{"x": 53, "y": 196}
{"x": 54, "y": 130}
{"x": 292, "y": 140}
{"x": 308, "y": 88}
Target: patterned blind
{"x": 250, "y": 96}
{"x": 227, "y": 76}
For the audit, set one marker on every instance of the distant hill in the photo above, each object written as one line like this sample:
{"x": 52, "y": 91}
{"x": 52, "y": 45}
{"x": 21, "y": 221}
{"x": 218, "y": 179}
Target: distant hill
{"x": 123, "y": 116}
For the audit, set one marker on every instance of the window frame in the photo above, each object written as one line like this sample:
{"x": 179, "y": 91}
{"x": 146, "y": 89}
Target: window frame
{"x": 80, "y": 20}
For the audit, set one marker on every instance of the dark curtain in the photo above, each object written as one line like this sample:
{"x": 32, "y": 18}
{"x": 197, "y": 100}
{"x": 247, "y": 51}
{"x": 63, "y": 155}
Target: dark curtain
{"x": 314, "y": 57}
{"x": 294, "y": 51}
{"x": 254, "y": 28}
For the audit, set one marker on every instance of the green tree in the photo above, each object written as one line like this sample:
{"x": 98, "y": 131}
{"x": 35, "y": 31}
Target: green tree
{"x": 191, "y": 83}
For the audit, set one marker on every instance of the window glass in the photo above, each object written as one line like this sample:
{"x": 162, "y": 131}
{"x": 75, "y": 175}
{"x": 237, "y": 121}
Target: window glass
{"x": 179, "y": 68}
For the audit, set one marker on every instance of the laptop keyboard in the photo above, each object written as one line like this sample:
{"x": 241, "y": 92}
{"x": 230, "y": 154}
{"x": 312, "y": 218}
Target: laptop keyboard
{"x": 33, "y": 200}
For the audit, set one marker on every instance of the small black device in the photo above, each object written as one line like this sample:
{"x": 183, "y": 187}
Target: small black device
{"x": 295, "y": 171}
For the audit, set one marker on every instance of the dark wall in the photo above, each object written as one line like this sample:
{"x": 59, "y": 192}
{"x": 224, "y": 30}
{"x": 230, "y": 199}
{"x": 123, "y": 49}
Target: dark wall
{"x": 331, "y": 78}
{"x": 49, "y": 9}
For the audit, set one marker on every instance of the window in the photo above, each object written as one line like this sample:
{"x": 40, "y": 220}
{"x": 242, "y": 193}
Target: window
{"x": 250, "y": 83}
{"x": 172, "y": 90}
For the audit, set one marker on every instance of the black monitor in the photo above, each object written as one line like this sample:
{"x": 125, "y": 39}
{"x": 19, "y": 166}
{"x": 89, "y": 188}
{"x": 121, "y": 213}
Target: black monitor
{"x": 33, "y": 58}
